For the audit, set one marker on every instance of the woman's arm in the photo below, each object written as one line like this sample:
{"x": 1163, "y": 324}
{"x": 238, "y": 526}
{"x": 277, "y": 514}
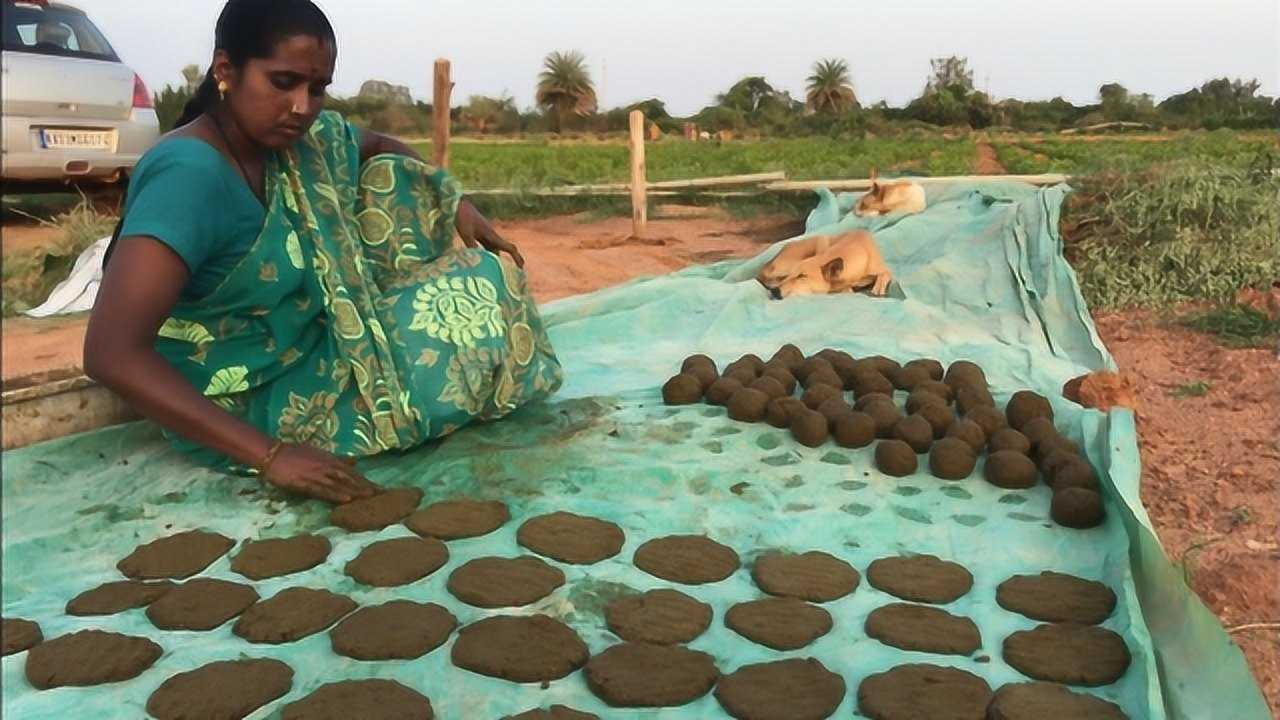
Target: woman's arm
{"x": 138, "y": 291}
{"x": 372, "y": 143}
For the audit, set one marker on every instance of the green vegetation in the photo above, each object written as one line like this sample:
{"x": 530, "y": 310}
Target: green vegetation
{"x": 546, "y": 164}
{"x": 1197, "y": 228}
{"x": 31, "y": 273}
{"x": 1236, "y": 325}
{"x": 1039, "y": 153}
{"x": 1186, "y": 390}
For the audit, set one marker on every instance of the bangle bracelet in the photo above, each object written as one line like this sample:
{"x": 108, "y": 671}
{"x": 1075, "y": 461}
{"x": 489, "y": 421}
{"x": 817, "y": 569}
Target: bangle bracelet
{"x": 265, "y": 464}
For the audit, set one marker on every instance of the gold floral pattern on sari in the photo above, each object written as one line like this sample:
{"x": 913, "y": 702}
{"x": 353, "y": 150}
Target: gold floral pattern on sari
{"x": 310, "y": 419}
{"x": 458, "y": 310}
{"x": 228, "y": 380}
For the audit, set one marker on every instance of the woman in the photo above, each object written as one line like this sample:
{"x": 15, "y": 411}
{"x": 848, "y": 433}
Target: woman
{"x": 283, "y": 294}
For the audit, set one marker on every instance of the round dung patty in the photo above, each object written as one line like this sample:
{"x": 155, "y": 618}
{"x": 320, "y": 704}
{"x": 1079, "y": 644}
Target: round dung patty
{"x": 373, "y": 699}
{"x": 642, "y": 675}
{"x": 17, "y": 635}
{"x": 398, "y": 561}
{"x": 292, "y": 614}
{"x": 494, "y": 582}
{"x": 397, "y": 630}
{"x": 797, "y": 689}
{"x": 262, "y": 559}
{"x": 779, "y": 623}
{"x": 815, "y": 576}
{"x": 920, "y": 578}
{"x": 89, "y": 657}
{"x": 378, "y": 511}
{"x": 571, "y": 538}
{"x": 1041, "y": 700}
{"x": 114, "y": 597}
{"x": 175, "y": 557}
{"x": 660, "y": 617}
{"x": 917, "y": 691}
{"x": 224, "y": 689}
{"x": 200, "y": 604}
{"x": 1057, "y": 598}
{"x": 457, "y": 519}
{"x": 1068, "y": 654}
{"x": 522, "y": 649}
{"x": 923, "y": 629}
{"x": 686, "y": 559}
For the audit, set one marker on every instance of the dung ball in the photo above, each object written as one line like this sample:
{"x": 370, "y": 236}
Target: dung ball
{"x": 854, "y": 430}
{"x": 723, "y": 389}
{"x": 968, "y": 431}
{"x": 915, "y": 431}
{"x": 779, "y": 411}
{"x": 1010, "y": 469}
{"x": 1026, "y": 405}
{"x": 952, "y": 459}
{"x": 896, "y": 458}
{"x": 818, "y": 394}
{"x": 769, "y": 386}
{"x": 747, "y": 405}
{"x": 1077, "y": 508}
{"x": 809, "y": 427}
{"x": 1009, "y": 439}
{"x": 683, "y": 389}
{"x": 940, "y": 418}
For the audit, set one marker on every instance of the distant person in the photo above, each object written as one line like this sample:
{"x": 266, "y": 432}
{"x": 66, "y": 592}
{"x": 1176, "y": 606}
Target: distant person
{"x": 282, "y": 292}
{"x": 53, "y": 35}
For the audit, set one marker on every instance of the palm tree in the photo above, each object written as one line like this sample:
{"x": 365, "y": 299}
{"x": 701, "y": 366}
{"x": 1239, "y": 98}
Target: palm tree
{"x": 830, "y": 88}
{"x": 565, "y": 87}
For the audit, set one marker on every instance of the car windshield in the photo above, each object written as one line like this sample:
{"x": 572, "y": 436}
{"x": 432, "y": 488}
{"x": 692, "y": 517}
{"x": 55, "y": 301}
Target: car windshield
{"x": 51, "y": 30}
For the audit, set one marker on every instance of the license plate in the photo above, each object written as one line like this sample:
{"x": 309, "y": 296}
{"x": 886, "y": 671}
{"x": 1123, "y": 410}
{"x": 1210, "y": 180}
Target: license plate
{"x": 78, "y": 139}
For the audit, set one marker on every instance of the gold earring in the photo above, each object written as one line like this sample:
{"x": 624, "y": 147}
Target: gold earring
{"x": 222, "y": 89}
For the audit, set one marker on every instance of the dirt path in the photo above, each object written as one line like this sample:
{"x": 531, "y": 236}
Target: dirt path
{"x": 1211, "y": 472}
{"x": 987, "y": 161}
{"x": 25, "y": 238}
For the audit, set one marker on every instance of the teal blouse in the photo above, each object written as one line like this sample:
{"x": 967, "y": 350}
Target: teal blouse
{"x": 188, "y": 195}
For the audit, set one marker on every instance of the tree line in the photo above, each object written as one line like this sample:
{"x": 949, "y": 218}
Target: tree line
{"x": 566, "y": 101}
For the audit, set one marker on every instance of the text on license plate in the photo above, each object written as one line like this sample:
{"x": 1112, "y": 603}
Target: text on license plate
{"x": 78, "y": 139}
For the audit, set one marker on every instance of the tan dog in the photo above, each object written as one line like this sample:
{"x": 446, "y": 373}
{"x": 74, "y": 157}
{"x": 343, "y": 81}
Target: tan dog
{"x": 785, "y": 262}
{"x": 903, "y": 196}
{"x": 851, "y": 261}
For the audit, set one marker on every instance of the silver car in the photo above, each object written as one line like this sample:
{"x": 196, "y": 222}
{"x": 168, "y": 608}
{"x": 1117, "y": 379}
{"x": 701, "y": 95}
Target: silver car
{"x": 72, "y": 111}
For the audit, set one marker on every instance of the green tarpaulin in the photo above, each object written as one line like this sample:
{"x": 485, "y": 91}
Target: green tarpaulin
{"x": 979, "y": 276}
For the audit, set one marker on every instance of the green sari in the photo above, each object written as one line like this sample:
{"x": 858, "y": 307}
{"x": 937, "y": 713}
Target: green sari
{"x": 354, "y": 324}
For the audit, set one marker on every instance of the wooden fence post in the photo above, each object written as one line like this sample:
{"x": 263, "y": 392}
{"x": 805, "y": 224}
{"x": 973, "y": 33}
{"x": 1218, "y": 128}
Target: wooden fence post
{"x": 639, "y": 201}
{"x": 442, "y": 90}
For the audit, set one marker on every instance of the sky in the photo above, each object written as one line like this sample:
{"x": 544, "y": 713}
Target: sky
{"x": 686, "y": 51}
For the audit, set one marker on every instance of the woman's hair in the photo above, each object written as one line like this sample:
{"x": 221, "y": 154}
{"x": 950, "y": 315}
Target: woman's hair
{"x": 249, "y": 29}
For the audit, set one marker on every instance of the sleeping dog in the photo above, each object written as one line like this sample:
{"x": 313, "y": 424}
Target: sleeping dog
{"x": 824, "y": 264}
{"x": 903, "y": 196}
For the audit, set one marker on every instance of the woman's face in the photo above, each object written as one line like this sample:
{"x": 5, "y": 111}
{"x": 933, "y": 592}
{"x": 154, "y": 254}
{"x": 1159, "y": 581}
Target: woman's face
{"x": 274, "y": 100}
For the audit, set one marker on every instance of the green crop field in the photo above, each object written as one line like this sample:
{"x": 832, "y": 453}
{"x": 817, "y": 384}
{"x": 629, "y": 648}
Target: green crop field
{"x": 549, "y": 163}
{"x": 1064, "y": 154}
{"x": 546, "y": 164}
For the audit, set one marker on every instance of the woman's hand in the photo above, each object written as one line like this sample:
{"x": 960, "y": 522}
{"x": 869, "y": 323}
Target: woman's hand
{"x": 477, "y": 232}
{"x": 310, "y": 471}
